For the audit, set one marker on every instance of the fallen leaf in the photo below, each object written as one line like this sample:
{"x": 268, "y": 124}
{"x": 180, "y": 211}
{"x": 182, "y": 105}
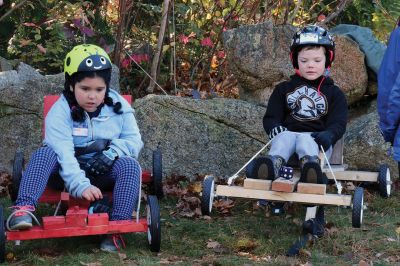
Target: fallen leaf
{"x": 122, "y": 256}
{"x": 213, "y": 244}
{"x": 305, "y": 253}
{"x": 90, "y": 263}
{"x": 41, "y": 48}
{"x": 196, "y": 187}
{"x": 363, "y": 263}
{"x": 245, "y": 244}
{"x": 379, "y": 254}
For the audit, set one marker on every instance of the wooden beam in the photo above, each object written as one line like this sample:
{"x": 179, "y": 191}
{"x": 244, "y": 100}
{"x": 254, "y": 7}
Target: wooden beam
{"x": 327, "y": 199}
{"x": 354, "y": 176}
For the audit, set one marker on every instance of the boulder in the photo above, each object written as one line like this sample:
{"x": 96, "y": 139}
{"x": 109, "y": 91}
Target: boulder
{"x": 215, "y": 136}
{"x": 258, "y": 57}
{"x": 21, "y": 109}
{"x": 365, "y": 148}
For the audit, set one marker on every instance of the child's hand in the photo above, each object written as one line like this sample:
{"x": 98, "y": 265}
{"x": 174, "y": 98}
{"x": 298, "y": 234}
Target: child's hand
{"x": 92, "y": 193}
{"x": 275, "y": 131}
{"x": 323, "y": 138}
{"x": 100, "y": 163}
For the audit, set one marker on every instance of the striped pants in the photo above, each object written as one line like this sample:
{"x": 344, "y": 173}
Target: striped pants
{"x": 43, "y": 169}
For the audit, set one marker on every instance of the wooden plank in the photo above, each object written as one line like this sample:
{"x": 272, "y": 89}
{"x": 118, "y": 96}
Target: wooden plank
{"x": 285, "y": 185}
{"x": 335, "y": 168}
{"x": 310, "y": 188}
{"x": 310, "y": 213}
{"x": 327, "y": 199}
{"x": 262, "y": 184}
{"x": 354, "y": 176}
{"x": 337, "y": 153}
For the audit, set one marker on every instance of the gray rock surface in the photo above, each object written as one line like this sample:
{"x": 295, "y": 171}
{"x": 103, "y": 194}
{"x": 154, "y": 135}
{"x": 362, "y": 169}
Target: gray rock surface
{"x": 214, "y": 136}
{"x": 21, "y": 109}
{"x": 364, "y": 147}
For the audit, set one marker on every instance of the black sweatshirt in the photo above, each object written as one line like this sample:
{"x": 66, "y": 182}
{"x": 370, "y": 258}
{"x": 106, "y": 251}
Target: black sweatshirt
{"x": 297, "y": 105}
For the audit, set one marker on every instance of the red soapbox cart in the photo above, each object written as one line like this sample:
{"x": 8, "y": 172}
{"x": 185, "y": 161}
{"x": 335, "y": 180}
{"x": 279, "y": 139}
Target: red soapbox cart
{"x": 78, "y": 219}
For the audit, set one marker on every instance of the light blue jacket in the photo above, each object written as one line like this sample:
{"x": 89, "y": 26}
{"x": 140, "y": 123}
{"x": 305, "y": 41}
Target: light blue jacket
{"x": 62, "y": 134}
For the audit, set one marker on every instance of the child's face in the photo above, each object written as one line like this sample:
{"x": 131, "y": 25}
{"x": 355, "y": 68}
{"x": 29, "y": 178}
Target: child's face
{"x": 312, "y": 62}
{"x": 90, "y": 93}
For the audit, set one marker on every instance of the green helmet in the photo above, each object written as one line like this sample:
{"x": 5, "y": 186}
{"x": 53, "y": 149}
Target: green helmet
{"x": 86, "y": 57}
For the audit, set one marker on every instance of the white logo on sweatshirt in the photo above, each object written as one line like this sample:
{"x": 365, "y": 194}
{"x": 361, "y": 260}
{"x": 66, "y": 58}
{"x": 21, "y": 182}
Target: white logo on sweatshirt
{"x": 306, "y": 103}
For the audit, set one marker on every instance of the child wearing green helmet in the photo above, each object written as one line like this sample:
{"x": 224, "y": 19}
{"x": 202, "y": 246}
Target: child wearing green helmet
{"x": 91, "y": 144}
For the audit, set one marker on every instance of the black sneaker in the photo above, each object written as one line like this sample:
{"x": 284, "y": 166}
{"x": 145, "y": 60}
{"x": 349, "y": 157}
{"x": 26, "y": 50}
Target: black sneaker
{"x": 274, "y": 164}
{"x": 311, "y": 170}
{"x": 316, "y": 226}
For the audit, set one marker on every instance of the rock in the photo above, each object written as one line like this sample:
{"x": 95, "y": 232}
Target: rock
{"x": 368, "y": 43}
{"x": 349, "y": 71}
{"x": 364, "y": 141}
{"x": 258, "y": 57}
{"x": 5, "y": 65}
{"x": 21, "y": 109}
{"x": 214, "y": 136}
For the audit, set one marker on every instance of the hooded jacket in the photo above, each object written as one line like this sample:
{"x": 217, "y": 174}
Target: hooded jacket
{"x": 389, "y": 93}
{"x": 62, "y": 134}
{"x": 297, "y": 105}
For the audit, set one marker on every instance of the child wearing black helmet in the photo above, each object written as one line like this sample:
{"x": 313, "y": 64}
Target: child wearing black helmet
{"x": 308, "y": 112}
{"x": 91, "y": 144}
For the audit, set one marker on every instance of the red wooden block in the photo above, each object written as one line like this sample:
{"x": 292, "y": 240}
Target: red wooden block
{"x": 52, "y": 222}
{"x": 98, "y": 219}
{"x": 285, "y": 185}
{"x": 76, "y": 217}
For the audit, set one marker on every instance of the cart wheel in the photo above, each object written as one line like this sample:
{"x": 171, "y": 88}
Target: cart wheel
{"x": 207, "y": 197}
{"x": 257, "y": 168}
{"x": 358, "y": 207}
{"x": 2, "y": 237}
{"x": 153, "y": 223}
{"x": 385, "y": 183}
{"x": 157, "y": 174}
{"x": 16, "y": 174}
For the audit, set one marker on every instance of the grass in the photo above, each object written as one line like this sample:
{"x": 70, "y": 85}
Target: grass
{"x": 248, "y": 236}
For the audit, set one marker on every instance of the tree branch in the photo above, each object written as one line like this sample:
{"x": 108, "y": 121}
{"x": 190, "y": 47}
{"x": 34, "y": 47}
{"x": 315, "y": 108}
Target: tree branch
{"x": 12, "y": 9}
{"x": 341, "y": 6}
{"x": 157, "y": 54}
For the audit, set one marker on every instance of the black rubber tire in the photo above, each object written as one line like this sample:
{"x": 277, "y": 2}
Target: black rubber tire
{"x": 153, "y": 223}
{"x": 2, "y": 237}
{"x": 157, "y": 174}
{"x": 358, "y": 207}
{"x": 258, "y": 168}
{"x": 384, "y": 181}
{"x": 207, "y": 196}
{"x": 16, "y": 174}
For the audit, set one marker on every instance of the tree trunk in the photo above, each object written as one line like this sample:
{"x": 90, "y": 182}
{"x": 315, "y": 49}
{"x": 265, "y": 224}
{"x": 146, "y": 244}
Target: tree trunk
{"x": 157, "y": 54}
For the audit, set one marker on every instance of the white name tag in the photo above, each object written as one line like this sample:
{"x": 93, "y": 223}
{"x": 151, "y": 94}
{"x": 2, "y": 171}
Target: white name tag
{"x": 80, "y": 131}
{"x": 308, "y": 38}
